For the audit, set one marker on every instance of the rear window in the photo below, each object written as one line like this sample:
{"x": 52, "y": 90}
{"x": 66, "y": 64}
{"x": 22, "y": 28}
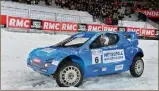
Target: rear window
{"x": 128, "y": 37}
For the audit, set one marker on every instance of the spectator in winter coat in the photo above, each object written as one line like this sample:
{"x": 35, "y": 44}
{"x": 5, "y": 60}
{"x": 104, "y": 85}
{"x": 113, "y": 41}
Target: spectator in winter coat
{"x": 108, "y": 20}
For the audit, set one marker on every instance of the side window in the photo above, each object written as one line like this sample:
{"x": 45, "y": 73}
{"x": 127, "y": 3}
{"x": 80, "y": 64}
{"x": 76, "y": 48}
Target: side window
{"x": 112, "y": 39}
{"x": 96, "y": 43}
{"x": 105, "y": 40}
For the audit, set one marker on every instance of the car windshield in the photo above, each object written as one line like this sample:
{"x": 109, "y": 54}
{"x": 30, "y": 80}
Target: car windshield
{"x": 74, "y": 41}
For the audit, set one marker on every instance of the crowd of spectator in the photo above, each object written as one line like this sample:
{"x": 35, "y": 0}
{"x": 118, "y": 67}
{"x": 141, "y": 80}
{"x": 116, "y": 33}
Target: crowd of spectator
{"x": 101, "y": 9}
{"x": 106, "y": 10}
{"x": 150, "y": 5}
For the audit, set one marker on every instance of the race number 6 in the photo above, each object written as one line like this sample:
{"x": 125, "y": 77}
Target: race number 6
{"x": 96, "y": 59}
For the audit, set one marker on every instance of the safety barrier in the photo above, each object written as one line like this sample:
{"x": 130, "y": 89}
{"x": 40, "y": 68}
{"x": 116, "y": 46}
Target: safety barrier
{"x": 54, "y": 26}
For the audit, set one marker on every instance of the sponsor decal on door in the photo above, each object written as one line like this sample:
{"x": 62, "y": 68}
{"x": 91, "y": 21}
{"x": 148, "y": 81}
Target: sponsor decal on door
{"x": 113, "y": 56}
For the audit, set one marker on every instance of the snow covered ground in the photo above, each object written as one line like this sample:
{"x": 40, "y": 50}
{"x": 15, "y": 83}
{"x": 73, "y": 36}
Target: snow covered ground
{"x": 16, "y": 75}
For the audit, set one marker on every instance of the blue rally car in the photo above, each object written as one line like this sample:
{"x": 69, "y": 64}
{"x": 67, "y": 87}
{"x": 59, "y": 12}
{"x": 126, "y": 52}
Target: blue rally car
{"x": 89, "y": 54}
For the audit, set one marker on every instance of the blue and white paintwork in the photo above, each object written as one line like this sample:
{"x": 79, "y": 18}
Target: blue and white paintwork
{"x": 108, "y": 63}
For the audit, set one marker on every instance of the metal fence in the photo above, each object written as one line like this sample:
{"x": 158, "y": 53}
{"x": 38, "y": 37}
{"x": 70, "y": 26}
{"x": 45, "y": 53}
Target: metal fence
{"x": 45, "y": 15}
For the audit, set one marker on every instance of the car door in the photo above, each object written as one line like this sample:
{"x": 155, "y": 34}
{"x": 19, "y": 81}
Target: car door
{"x": 113, "y": 57}
{"x": 93, "y": 58}
{"x": 106, "y": 55}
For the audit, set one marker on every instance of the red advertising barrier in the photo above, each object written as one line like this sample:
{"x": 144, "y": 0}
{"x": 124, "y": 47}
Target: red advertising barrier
{"x": 148, "y": 32}
{"x": 18, "y": 22}
{"x": 69, "y": 27}
{"x": 59, "y": 26}
{"x": 142, "y": 31}
{"x": 132, "y": 29}
{"x": 150, "y": 13}
{"x": 51, "y": 26}
{"x": 98, "y": 27}
{"x": 3, "y": 20}
{"x": 110, "y": 28}
{"x": 94, "y": 27}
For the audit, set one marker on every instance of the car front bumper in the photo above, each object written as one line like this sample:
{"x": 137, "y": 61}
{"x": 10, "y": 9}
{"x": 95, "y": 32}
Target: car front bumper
{"x": 44, "y": 70}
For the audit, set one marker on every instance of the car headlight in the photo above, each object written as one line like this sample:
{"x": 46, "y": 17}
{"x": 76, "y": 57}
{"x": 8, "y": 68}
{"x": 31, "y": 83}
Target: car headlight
{"x": 51, "y": 62}
{"x": 31, "y": 61}
{"x": 47, "y": 64}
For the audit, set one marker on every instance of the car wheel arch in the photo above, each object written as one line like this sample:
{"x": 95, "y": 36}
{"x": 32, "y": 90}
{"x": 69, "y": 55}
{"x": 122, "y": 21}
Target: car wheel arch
{"x": 140, "y": 54}
{"x": 133, "y": 53}
{"x": 72, "y": 58}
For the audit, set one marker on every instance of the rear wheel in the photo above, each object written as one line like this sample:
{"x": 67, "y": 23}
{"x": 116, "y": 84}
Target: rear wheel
{"x": 69, "y": 74}
{"x": 137, "y": 67}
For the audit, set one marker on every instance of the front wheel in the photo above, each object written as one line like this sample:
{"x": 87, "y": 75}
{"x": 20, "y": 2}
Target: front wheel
{"x": 69, "y": 74}
{"x": 137, "y": 67}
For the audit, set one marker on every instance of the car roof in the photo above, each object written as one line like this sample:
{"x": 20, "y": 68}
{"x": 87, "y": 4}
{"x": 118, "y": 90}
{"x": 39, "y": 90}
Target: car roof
{"x": 101, "y": 32}
{"x": 94, "y": 33}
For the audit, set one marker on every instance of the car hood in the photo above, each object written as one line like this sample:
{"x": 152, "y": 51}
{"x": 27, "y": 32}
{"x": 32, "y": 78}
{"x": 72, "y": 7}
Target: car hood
{"x": 52, "y": 52}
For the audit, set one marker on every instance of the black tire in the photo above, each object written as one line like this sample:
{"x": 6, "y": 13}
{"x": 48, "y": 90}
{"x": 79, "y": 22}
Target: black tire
{"x": 133, "y": 67}
{"x": 60, "y": 70}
